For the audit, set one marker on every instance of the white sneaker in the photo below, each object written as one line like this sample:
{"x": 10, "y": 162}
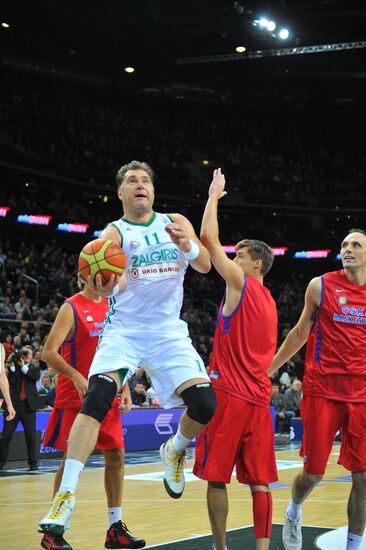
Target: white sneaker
{"x": 291, "y": 533}
{"x": 174, "y": 469}
{"x": 58, "y": 516}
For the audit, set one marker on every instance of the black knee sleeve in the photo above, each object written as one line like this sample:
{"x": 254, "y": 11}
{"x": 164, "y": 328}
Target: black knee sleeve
{"x": 98, "y": 399}
{"x": 200, "y": 401}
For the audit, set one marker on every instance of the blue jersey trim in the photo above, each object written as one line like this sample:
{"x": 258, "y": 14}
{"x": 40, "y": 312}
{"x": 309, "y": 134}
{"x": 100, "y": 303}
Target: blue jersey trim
{"x": 205, "y": 453}
{"x": 56, "y": 431}
{"x": 318, "y": 343}
{"x": 227, "y": 318}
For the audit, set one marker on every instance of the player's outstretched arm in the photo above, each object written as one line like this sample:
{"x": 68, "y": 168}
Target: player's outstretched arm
{"x": 298, "y": 335}
{"x": 63, "y": 329}
{"x": 232, "y": 274}
{"x": 182, "y": 233}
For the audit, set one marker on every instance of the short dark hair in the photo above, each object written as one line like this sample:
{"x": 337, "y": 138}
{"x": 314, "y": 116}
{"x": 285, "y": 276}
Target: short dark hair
{"x": 133, "y": 165}
{"x": 258, "y": 250}
{"x": 356, "y": 230}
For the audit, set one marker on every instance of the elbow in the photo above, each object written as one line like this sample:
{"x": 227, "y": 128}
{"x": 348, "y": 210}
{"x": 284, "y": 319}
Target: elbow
{"x": 45, "y": 355}
{"x": 206, "y": 238}
{"x": 206, "y": 268}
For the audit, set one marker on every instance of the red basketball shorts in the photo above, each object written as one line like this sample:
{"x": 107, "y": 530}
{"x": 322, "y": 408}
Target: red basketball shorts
{"x": 240, "y": 434}
{"x": 322, "y": 418}
{"x": 61, "y": 421}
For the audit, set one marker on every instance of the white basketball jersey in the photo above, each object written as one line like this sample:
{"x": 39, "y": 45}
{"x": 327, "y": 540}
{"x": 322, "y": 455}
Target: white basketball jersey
{"x": 155, "y": 270}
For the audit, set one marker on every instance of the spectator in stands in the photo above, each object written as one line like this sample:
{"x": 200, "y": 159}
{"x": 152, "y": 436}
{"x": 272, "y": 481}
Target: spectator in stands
{"x": 45, "y": 384}
{"x": 51, "y": 394}
{"x": 22, "y": 377}
{"x": 8, "y": 344}
{"x": 278, "y": 402}
{"x": 152, "y": 399}
{"x": 138, "y": 394}
{"x": 17, "y": 343}
{"x": 293, "y": 398}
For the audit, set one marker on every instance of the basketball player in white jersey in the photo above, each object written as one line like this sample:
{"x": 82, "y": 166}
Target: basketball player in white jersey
{"x": 4, "y": 386}
{"x": 143, "y": 326}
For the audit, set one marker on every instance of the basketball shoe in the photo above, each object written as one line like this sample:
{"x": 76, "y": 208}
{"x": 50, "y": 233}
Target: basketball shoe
{"x": 58, "y": 516}
{"x": 50, "y": 541}
{"x": 291, "y": 533}
{"x": 118, "y": 536}
{"x": 174, "y": 469}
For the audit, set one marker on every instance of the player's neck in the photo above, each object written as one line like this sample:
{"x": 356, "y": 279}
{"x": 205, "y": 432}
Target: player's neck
{"x": 357, "y": 276}
{"x": 89, "y": 295}
{"x": 138, "y": 217}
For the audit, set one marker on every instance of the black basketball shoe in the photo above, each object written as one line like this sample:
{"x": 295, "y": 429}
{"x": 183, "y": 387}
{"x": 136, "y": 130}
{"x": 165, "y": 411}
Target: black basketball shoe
{"x": 118, "y": 536}
{"x": 50, "y": 541}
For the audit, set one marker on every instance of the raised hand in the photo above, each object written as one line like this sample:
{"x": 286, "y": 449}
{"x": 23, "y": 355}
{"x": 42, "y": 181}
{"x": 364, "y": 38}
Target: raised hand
{"x": 217, "y": 187}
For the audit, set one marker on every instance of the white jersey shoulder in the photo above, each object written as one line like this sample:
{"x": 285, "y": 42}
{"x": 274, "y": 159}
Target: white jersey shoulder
{"x": 155, "y": 269}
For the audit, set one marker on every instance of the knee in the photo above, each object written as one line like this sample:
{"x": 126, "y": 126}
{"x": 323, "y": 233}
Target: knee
{"x": 98, "y": 399}
{"x": 114, "y": 460}
{"x": 359, "y": 482}
{"x": 216, "y": 485}
{"x": 200, "y": 401}
{"x": 312, "y": 479}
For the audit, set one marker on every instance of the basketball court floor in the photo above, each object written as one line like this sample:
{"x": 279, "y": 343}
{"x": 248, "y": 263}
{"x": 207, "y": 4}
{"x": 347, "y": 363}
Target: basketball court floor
{"x": 168, "y": 524}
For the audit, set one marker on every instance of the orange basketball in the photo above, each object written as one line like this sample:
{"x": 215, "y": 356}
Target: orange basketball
{"x": 102, "y": 257}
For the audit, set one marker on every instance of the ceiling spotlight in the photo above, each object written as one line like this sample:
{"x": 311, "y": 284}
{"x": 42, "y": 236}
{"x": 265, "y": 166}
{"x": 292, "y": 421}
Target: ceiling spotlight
{"x": 263, "y": 22}
{"x": 129, "y": 69}
{"x": 271, "y": 25}
{"x": 240, "y": 49}
{"x": 284, "y": 34}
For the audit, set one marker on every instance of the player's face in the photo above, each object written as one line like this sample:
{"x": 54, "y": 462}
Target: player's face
{"x": 245, "y": 262}
{"x": 353, "y": 251}
{"x": 137, "y": 191}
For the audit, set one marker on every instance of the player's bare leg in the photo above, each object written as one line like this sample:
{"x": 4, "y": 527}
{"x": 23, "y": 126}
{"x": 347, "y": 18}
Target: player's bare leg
{"x": 82, "y": 440}
{"x": 117, "y": 535}
{"x": 302, "y": 486}
{"x": 356, "y": 509}
{"x": 200, "y": 400}
{"x": 58, "y": 475}
{"x": 218, "y": 507}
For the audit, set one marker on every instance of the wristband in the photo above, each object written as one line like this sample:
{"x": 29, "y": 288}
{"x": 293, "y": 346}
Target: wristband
{"x": 193, "y": 253}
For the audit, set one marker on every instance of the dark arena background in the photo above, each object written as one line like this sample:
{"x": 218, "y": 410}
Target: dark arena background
{"x": 274, "y": 94}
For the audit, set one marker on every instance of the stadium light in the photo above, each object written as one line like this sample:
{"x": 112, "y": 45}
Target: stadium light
{"x": 263, "y": 22}
{"x": 129, "y": 70}
{"x": 284, "y": 34}
{"x": 271, "y": 25}
{"x": 240, "y": 49}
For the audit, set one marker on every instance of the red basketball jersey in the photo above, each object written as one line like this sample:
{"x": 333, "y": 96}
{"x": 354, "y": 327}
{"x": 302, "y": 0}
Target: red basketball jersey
{"x": 335, "y": 364}
{"x": 80, "y": 349}
{"x": 244, "y": 345}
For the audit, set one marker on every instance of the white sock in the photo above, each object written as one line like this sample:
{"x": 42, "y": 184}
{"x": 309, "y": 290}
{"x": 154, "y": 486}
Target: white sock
{"x": 353, "y": 541}
{"x": 294, "y": 510}
{"x": 214, "y": 547}
{"x": 70, "y": 477}
{"x": 180, "y": 442}
{"x": 114, "y": 515}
